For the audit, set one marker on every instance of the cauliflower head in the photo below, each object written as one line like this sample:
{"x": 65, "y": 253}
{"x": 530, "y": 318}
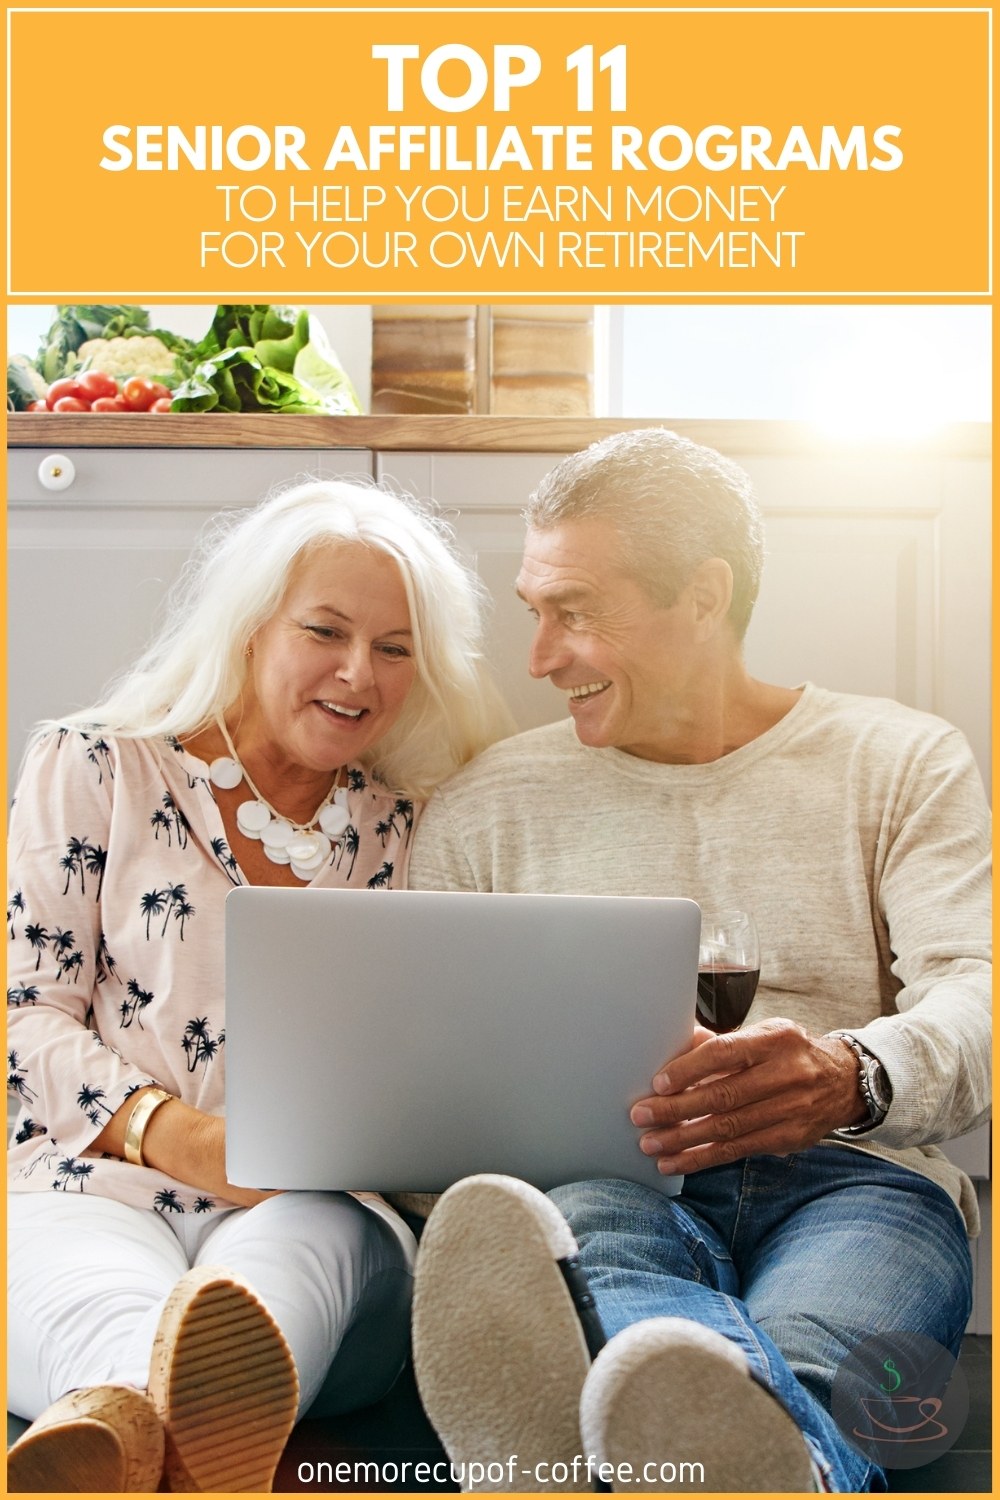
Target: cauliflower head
{"x": 124, "y": 357}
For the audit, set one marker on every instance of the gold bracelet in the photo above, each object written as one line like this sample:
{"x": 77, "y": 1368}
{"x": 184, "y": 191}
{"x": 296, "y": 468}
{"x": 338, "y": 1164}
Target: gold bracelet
{"x": 140, "y": 1117}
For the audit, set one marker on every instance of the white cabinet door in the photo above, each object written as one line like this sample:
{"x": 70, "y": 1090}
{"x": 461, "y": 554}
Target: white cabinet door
{"x": 482, "y": 495}
{"x": 89, "y": 566}
{"x": 877, "y": 580}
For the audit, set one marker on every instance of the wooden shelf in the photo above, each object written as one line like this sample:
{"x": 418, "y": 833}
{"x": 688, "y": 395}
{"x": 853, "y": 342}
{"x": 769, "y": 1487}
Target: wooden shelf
{"x": 449, "y": 434}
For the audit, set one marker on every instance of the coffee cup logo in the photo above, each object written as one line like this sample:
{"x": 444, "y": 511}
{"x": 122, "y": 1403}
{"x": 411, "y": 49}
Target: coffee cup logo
{"x": 900, "y": 1399}
{"x": 901, "y": 1419}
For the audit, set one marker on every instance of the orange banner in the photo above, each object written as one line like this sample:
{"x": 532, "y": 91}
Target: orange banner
{"x": 475, "y": 155}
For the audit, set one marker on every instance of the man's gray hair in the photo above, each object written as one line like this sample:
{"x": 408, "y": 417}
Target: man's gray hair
{"x": 675, "y": 504}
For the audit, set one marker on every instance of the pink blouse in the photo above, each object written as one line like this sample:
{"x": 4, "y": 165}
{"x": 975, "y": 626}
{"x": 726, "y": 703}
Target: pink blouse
{"x": 119, "y": 869}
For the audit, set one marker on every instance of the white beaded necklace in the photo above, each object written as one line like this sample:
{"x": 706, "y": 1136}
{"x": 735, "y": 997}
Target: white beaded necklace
{"x": 303, "y": 846}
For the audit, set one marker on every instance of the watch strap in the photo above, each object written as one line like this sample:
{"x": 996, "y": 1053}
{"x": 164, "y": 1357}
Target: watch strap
{"x": 869, "y": 1069}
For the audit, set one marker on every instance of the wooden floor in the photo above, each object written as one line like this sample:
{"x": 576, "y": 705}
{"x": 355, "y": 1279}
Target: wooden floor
{"x": 396, "y": 1433}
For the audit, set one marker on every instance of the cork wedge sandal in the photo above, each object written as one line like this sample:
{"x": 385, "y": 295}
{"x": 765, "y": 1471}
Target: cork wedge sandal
{"x": 224, "y": 1383}
{"x": 105, "y": 1439}
{"x": 500, "y": 1345}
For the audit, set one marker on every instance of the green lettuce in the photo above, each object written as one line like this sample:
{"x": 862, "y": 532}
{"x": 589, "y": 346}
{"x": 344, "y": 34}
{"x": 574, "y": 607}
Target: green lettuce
{"x": 235, "y": 380}
{"x": 316, "y": 366}
{"x": 258, "y": 357}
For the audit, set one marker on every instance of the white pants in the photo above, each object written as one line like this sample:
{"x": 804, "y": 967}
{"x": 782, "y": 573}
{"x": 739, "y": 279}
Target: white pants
{"x": 88, "y": 1277}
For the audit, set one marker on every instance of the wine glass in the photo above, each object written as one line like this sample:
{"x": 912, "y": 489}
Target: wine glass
{"x": 728, "y": 969}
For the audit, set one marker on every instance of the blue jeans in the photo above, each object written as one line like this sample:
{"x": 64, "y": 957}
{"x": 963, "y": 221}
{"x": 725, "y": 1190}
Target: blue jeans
{"x": 797, "y": 1259}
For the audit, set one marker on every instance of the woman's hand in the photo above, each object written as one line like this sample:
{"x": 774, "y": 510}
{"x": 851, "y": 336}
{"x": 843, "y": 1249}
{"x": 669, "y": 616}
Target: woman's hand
{"x": 186, "y": 1144}
{"x": 202, "y": 1154}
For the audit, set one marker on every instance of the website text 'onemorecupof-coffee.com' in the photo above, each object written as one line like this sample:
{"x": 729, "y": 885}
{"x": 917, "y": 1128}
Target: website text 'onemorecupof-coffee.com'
{"x": 581, "y": 1473}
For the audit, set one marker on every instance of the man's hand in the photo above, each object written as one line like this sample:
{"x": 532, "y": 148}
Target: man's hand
{"x": 766, "y": 1090}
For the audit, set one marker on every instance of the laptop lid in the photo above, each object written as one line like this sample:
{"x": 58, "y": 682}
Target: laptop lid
{"x": 401, "y": 1040}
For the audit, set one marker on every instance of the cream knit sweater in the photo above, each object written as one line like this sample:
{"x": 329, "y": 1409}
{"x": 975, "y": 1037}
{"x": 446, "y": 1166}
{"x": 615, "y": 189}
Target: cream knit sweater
{"x": 855, "y": 830}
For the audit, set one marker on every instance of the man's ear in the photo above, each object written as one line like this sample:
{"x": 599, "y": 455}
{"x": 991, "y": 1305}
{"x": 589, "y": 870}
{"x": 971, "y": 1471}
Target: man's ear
{"x": 711, "y": 586}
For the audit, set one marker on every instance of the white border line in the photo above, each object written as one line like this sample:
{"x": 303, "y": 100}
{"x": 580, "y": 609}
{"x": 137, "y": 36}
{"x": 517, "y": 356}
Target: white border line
{"x": 481, "y": 294}
{"x": 7, "y": 162}
{"x": 989, "y": 145}
{"x": 503, "y": 10}
{"x": 464, "y": 295}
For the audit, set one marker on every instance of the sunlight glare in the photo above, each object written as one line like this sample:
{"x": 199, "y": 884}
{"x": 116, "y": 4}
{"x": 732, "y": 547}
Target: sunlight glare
{"x": 882, "y": 391}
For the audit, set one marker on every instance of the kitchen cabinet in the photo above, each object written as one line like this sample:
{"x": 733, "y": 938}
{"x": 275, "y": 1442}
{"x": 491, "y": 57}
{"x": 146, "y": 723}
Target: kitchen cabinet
{"x": 876, "y": 580}
{"x": 482, "y": 495}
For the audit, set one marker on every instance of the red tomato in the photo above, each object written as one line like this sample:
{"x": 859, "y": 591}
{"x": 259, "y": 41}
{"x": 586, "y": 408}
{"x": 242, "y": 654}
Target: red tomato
{"x": 161, "y": 392}
{"x": 37, "y": 406}
{"x": 66, "y": 387}
{"x": 138, "y": 393}
{"x": 94, "y": 384}
{"x": 162, "y": 403}
{"x": 70, "y": 403}
{"x": 109, "y": 403}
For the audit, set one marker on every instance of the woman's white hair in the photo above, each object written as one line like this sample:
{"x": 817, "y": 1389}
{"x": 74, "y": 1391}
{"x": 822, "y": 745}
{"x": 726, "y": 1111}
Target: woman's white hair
{"x": 196, "y": 665}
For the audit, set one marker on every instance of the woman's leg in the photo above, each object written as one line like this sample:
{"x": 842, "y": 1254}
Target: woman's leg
{"x": 336, "y": 1277}
{"x": 102, "y": 1297}
{"x": 87, "y": 1278}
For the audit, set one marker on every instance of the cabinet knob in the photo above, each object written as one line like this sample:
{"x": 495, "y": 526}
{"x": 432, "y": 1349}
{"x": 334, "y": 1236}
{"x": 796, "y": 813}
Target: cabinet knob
{"x": 56, "y": 472}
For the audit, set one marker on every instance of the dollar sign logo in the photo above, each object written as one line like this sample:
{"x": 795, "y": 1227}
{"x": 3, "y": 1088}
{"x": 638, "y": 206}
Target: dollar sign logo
{"x": 894, "y": 1376}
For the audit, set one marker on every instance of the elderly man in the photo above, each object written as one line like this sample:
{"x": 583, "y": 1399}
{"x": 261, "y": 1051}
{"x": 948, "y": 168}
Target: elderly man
{"x": 816, "y": 1216}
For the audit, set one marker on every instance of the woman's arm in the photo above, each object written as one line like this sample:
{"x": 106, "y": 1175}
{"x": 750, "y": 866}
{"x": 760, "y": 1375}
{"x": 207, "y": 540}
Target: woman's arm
{"x": 67, "y": 1076}
{"x": 183, "y": 1142}
{"x": 77, "y": 1086}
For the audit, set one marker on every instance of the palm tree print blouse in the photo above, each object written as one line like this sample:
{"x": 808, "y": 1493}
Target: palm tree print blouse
{"x": 119, "y": 869}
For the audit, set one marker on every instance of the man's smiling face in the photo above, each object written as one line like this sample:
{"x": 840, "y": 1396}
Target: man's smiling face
{"x": 625, "y": 661}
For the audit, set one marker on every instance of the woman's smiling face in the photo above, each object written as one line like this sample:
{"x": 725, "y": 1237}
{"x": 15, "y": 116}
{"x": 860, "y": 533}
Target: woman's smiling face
{"x": 331, "y": 670}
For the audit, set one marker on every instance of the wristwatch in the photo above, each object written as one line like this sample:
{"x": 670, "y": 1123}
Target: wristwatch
{"x": 873, "y": 1084}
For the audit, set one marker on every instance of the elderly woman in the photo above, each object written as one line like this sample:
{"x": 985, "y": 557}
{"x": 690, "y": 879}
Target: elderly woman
{"x": 319, "y": 672}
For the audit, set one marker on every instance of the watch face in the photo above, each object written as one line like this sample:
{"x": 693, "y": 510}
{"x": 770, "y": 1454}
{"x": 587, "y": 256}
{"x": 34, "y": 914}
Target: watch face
{"x": 881, "y": 1089}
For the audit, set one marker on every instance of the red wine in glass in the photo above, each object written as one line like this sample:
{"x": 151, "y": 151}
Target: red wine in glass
{"x": 728, "y": 969}
{"x": 725, "y": 996}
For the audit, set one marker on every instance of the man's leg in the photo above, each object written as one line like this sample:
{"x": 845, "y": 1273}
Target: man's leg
{"x": 880, "y": 1255}
{"x": 648, "y": 1256}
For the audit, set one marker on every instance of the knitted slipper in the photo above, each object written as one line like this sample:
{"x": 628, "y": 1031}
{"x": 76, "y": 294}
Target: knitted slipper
{"x": 224, "y": 1382}
{"x": 668, "y": 1392}
{"x": 499, "y": 1348}
{"x": 106, "y": 1439}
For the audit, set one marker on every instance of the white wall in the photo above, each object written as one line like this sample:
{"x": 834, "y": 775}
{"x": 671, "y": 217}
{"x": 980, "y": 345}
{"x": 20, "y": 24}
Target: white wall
{"x": 861, "y": 371}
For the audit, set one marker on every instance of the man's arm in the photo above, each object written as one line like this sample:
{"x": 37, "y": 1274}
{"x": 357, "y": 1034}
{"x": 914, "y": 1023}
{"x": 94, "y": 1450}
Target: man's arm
{"x": 784, "y": 1090}
{"x": 934, "y": 894}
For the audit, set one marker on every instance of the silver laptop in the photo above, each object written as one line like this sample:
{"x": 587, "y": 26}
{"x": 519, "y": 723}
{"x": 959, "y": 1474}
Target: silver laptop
{"x": 401, "y": 1040}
